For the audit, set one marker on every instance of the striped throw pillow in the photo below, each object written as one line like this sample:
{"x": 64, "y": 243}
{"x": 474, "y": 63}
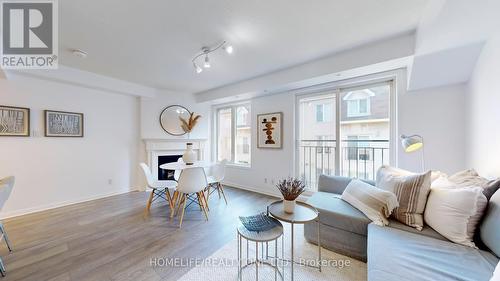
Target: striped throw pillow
{"x": 375, "y": 203}
{"x": 411, "y": 190}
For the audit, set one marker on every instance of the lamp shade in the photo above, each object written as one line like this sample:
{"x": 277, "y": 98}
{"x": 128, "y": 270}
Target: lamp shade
{"x": 412, "y": 143}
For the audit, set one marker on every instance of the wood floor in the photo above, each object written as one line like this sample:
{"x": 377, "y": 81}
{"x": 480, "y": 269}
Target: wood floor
{"x": 113, "y": 238}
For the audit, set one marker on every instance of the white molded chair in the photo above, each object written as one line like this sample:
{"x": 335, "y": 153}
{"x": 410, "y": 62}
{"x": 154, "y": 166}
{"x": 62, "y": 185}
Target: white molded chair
{"x": 177, "y": 173}
{"x": 159, "y": 189}
{"x": 216, "y": 178}
{"x": 192, "y": 181}
{"x": 6, "y": 186}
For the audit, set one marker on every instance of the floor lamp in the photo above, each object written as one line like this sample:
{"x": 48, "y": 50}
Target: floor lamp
{"x": 413, "y": 143}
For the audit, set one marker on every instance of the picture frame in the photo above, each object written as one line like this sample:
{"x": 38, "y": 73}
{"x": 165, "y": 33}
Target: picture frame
{"x": 270, "y": 130}
{"x": 63, "y": 124}
{"x": 14, "y": 121}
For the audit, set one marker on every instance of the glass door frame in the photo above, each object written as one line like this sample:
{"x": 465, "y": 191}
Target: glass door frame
{"x": 397, "y": 80}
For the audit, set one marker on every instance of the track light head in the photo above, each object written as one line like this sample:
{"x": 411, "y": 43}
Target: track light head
{"x": 229, "y": 49}
{"x": 206, "y": 64}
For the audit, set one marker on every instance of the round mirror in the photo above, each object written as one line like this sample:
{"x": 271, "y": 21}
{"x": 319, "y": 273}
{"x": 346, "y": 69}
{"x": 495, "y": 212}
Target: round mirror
{"x": 170, "y": 119}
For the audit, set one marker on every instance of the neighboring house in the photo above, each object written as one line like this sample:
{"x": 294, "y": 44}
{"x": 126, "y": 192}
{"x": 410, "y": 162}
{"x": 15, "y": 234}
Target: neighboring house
{"x": 364, "y": 130}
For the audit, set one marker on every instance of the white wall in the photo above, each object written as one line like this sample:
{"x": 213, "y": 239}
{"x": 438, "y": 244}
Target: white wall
{"x": 151, "y": 109}
{"x": 57, "y": 171}
{"x": 437, "y": 114}
{"x": 272, "y": 164}
{"x": 483, "y": 111}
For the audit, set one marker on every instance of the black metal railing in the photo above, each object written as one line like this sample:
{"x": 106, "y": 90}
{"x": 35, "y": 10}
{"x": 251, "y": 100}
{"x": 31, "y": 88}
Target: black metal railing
{"x": 358, "y": 159}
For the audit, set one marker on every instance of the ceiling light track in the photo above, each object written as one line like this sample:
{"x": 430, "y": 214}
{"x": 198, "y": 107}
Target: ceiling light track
{"x": 205, "y": 51}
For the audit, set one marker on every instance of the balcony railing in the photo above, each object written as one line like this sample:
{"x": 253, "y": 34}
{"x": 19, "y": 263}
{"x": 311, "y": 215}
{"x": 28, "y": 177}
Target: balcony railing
{"x": 358, "y": 159}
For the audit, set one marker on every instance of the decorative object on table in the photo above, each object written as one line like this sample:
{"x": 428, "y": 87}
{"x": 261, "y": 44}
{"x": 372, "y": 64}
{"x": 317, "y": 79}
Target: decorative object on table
{"x": 14, "y": 121}
{"x": 170, "y": 119}
{"x": 270, "y": 130}
{"x": 190, "y": 123}
{"x": 413, "y": 143}
{"x": 290, "y": 188}
{"x": 258, "y": 223}
{"x": 189, "y": 156}
{"x": 63, "y": 124}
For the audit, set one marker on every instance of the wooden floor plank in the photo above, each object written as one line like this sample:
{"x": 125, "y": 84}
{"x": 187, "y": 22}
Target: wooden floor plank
{"x": 114, "y": 239}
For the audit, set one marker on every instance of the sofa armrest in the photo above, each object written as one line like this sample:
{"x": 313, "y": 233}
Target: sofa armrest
{"x": 335, "y": 184}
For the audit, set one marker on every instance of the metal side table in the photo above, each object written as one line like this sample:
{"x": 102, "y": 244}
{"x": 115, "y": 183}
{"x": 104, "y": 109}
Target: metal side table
{"x": 302, "y": 214}
{"x": 263, "y": 237}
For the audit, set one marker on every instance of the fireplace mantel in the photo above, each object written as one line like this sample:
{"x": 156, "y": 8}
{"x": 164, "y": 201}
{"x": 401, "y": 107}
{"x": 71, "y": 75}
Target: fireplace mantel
{"x": 159, "y": 147}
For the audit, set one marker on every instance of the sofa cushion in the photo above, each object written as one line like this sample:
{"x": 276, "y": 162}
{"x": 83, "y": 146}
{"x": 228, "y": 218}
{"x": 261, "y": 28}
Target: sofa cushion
{"x": 377, "y": 204}
{"x": 337, "y": 213}
{"x": 336, "y": 184}
{"x": 490, "y": 227}
{"x": 411, "y": 190}
{"x": 426, "y": 231}
{"x": 395, "y": 254}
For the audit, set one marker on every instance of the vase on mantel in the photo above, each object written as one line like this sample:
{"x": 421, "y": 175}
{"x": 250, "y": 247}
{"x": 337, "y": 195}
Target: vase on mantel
{"x": 289, "y": 206}
{"x": 189, "y": 155}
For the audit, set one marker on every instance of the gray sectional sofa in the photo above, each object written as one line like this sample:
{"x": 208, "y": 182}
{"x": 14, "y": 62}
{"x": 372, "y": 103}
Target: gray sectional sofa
{"x": 399, "y": 252}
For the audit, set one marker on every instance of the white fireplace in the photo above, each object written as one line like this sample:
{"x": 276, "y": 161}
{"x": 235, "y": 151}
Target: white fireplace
{"x": 155, "y": 148}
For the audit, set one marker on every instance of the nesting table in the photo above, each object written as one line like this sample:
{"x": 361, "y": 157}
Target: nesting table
{"x": 261, "y": 237}
{"x": 302, "y": 214}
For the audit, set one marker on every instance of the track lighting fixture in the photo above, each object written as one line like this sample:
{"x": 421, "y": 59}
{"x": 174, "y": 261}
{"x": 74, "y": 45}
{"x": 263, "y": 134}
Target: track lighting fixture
{"x": 205, "y": 51}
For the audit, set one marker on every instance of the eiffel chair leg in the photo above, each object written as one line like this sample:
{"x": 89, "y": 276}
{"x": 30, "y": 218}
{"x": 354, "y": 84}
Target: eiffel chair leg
{"x": 205, "y": 200}
{"x": 183, "y": 209}
{"x": 150, "y": 200}
{"x": 219, "y": 187}
{"x": 174, "y": 202}
{"x": 181, "y": 201}
{"x": 202, "y": 204}
{"x": 5, "y": 237}
{"x": 169, "y": 198}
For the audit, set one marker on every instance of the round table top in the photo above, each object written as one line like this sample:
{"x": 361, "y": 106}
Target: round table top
{"x": 303, "y": 212}
{"x": 261, "y": 236}
{"x": 182, "y": 166}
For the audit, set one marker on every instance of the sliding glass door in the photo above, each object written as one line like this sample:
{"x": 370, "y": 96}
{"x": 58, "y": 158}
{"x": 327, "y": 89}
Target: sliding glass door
{"x": 343, "y": 131}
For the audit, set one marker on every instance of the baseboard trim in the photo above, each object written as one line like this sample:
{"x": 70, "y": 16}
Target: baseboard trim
{"x": 276, "y": 194}
{"x": 17, "y": 213}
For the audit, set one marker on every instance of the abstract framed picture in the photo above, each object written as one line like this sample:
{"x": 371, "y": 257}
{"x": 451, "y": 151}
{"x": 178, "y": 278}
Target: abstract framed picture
{"x": 63, "y": 124}
{"x": 270, "y": 130}
{"x": 14, "y": 121}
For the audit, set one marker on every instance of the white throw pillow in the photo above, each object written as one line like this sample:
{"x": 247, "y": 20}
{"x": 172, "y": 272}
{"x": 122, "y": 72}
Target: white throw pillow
{"x": 455, "y": 212}
{"x": 496, "y": 274}
{"x": 375, "y": 203}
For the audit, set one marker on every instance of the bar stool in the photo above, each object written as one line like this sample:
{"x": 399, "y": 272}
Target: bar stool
{"x": 262, "y": 237}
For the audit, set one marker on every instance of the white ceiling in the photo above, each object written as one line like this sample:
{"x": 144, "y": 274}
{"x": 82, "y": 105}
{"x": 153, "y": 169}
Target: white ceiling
{"x": 152, "y": 42}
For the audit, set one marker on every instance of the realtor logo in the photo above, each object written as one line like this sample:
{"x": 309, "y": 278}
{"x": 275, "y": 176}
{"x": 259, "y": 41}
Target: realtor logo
{"x": 29, "y": 35}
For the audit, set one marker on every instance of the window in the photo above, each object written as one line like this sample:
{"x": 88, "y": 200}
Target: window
{"x": 234, "y": 134}
{"x": 358, "y": 107}
{"x": 324, "y": 112}
{"x": 358, "y": 102}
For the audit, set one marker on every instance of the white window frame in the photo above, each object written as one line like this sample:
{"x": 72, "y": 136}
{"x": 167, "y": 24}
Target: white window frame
{"x": 233, "y": 107}
{"x": 357, "y": 113}
{"x": 398, "y": 80}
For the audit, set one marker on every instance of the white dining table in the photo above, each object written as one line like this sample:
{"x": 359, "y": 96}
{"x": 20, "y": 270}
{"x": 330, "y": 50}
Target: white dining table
{"x": 181, "y": 166}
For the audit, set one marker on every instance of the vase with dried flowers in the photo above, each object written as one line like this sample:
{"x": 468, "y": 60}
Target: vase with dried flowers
{"x": 189, "y": 124}
{"x": 290, "y": 188}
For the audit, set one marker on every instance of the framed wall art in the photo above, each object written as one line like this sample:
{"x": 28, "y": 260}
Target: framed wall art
{"x": 270, "y": 130}
{"x": 63, "y": 124}
{"x": 14, "y": 121}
